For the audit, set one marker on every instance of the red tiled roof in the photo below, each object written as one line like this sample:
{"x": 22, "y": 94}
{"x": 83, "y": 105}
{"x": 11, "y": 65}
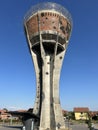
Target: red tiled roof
{"x": 64, "y": 111}
{"x": 81, "y": 109}
{"x": 94, "y": 113}
{"x": 21, "y": 110}
{"x": 2, "y": 111}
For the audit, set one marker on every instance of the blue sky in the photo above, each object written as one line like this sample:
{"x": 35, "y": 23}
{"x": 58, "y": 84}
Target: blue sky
{"x": 79, "y": 76}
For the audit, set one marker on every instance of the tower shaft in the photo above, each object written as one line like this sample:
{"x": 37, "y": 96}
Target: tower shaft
{"x": 48, "y": 70}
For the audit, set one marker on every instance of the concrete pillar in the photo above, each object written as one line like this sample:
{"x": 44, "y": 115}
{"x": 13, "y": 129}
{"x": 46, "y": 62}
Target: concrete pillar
{"x": 45, "y": 108}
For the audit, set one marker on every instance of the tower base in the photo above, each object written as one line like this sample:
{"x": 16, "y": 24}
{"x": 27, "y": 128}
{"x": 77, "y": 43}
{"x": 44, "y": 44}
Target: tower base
{"x": 56, "y": 129}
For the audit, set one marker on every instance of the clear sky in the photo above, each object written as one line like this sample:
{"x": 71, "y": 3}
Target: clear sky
{"x": 79, "y": 76}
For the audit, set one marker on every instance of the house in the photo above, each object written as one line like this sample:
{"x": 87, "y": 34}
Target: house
{"x": 64, "y": 112}
{"x": 4, "y": 115}
{"x": 81, "y": 113}
{"x": 94, "y": 115}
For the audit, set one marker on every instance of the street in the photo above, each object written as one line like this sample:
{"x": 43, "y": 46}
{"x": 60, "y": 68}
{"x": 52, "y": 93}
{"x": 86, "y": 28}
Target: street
{"x": 79, "y": 127}
{"x": 10, "y": 127}
{"x": 83, "y": 127}
{"x": 74, "y": 127}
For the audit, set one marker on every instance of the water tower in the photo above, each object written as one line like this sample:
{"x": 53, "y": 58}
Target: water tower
{"x": 48, "y": 27}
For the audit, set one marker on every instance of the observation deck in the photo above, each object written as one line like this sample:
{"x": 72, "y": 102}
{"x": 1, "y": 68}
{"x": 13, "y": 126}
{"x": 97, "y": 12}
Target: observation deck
{"x": 50, "y": 23}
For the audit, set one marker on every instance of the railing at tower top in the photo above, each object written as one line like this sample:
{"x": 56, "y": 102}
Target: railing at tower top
{"x": 49, "y": 6}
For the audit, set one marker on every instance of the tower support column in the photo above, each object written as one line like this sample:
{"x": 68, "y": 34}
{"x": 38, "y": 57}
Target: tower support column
{"x": 46, "y": 93}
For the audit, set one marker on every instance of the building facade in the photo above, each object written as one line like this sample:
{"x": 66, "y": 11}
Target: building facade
{"x": 81, "y": 113}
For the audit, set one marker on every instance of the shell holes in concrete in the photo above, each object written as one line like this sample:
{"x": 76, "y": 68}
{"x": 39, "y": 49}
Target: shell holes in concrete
{"x": 42, "y": 14}
{"x": 60, "y": 57}
{"x": 48, "y": 62}
{"x": 54, "y": 27}
{"x": 47, "y": 73}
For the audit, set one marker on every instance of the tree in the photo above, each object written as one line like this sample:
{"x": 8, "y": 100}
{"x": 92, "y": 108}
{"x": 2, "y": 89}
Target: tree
{"x": 5, "y": 109}
{"x": 71, "y": 115}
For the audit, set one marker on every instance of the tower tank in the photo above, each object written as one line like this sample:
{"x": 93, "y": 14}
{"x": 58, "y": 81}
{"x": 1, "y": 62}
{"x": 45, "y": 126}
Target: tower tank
{"x": 48, "y": 28}
{"x": 53, "y": 22}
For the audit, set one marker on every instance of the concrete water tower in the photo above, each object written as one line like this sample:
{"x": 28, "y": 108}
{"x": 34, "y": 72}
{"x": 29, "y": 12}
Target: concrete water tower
{"x": 48, "y": 27}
